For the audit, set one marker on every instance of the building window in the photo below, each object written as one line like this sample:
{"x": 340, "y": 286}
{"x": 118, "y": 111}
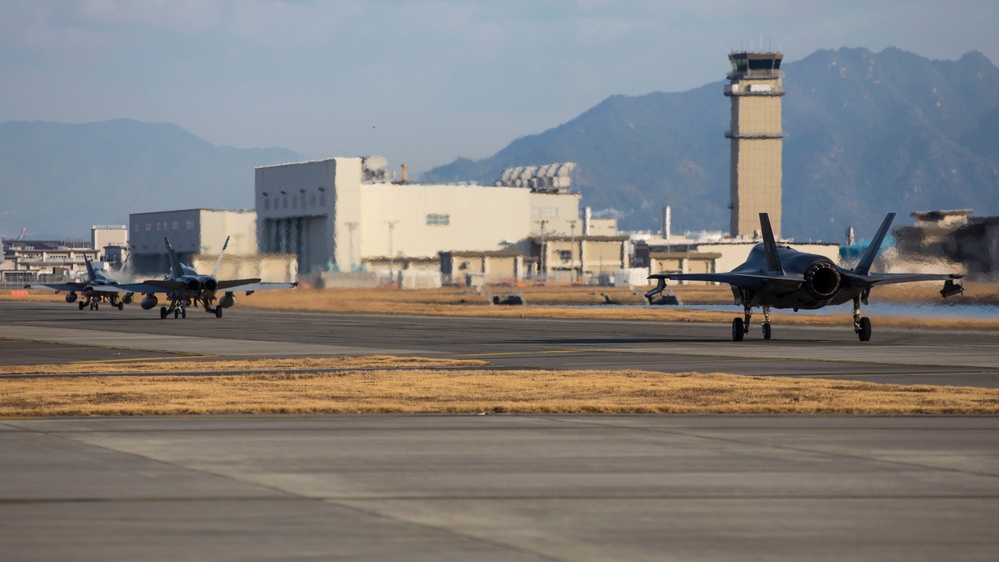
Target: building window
{"x": 176, "y": 225}
{"x": 565, "y": 255}
{"x": 437, "y": 219}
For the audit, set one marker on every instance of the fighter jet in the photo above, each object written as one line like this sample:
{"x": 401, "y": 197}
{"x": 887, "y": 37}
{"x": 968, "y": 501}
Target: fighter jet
{"x": 185, "y": 286}
{"x": 780, "y": 277}
{"x": 97, "y": 289}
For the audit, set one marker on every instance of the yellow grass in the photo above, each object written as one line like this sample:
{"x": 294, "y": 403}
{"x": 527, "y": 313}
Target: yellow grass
{"x": 414, "y": 384}
{"x": 473, "y": 391}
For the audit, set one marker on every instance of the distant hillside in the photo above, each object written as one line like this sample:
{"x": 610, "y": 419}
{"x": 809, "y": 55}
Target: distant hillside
{"x": 866, "y": 134}
{"x": 58, "y": 179}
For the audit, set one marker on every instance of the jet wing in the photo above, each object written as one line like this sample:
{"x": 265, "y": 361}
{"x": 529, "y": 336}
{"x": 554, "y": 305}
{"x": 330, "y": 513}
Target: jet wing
{"x": 234, "y": 284}
{"x": 256, "y": 286}
{"x": 152, "y": 286}
{"x": 73, "y": 286}
{"x": 741, "y": 280}
{"x": 57, "y": 287}
{"x": 872, "y": 279}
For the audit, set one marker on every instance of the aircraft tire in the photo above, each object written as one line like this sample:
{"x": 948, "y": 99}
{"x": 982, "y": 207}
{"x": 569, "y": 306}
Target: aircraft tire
{"x": 864, "y": 333}
{"x": 121, "y": 306}
{"x": 183, "y": 313}
{"x": 163, "y": 312}
{"x": 767, "y": 332}
{"x": 81, "y": 306}
{"x": 218, "y": 312}
{"x": 96, "y": 306}
{"x": 738, "y": 329}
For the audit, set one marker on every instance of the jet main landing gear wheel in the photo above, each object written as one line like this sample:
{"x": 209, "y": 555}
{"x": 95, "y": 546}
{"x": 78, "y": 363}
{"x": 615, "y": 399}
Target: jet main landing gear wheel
{"x": 766, "y": 330}
{"x": 738, "y": 329}
{"x": 864, "y": 331}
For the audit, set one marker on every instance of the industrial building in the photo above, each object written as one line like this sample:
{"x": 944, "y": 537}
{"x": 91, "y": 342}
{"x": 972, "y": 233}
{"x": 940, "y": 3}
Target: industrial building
{"x": 191, "y": 232}
{"x": 951, "y": 240}
{"x": 198, "y": 236}
{"x": 350, "y": 215}
{"x": 34, "y": 261}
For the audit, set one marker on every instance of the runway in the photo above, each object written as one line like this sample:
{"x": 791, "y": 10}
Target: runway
{"x": 499, "y": 487}
{"x": 56, "y": 332}
{"x": 511, "y": 488}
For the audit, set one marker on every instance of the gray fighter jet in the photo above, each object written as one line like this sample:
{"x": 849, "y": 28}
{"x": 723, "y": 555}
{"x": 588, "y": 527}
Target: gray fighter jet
{"x": 780, "y": 277}
{"x": 185, "y": 287}
{"x": 96, "y": 289}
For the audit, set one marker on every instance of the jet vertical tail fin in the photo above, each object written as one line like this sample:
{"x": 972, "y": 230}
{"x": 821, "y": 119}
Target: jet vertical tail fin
{"x": 770, "y": 245}
{"x": 215, "y": 272}
{"x": 175, "y": 266}
{"x": 867, "y": 260}
{"x": 91, "y": 274}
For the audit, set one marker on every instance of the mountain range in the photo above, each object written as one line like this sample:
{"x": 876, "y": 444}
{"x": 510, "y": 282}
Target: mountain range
{"x": 57, "y": 179}
{"x": 866, "y": 133}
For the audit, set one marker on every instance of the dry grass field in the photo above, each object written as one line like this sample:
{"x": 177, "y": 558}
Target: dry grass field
{"x": 408, "y": 385}
{"x": 393, "y": 385}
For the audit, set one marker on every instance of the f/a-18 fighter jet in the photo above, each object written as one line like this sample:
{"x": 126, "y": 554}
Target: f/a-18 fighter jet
{"x": 185, "y": 286}
{"x": 780, "y": 277}
{"x": 95, "y": 290}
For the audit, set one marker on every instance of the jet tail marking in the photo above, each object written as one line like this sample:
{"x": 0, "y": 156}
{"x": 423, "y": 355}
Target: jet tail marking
{"x": 770, "y": 246}
{"x": 867, "y": 260}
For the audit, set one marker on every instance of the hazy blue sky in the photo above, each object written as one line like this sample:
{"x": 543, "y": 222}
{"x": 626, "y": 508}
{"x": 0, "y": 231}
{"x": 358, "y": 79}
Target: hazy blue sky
{"x": 420, "y": 82}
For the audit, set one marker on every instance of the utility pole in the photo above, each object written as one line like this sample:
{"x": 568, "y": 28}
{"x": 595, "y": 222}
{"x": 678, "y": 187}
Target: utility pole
{"x": 542, "y": 255}
{"x": 352, "y": 226}
{"x": 572, "y": 249}
{"x": 391, "y": 227}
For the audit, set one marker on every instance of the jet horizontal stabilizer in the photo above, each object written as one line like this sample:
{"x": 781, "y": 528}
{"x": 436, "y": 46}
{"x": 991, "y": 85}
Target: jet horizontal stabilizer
{"x": 951, "y": 288}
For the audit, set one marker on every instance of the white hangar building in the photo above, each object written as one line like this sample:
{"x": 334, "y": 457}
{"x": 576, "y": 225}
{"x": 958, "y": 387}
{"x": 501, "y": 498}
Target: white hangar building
{"x": 343, "y": 214}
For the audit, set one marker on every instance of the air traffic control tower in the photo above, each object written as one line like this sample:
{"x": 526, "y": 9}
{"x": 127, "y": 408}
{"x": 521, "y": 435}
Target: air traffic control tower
{"x": 756, "y": 141}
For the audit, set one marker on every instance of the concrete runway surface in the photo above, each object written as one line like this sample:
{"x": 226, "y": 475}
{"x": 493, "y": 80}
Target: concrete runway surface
{"x": 507, "y": 487}
{"x": 578, "y": 487}
{"x": 58, "y": 332}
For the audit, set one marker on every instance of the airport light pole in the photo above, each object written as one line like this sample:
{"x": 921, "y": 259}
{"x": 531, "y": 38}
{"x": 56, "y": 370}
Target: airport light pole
{"x": 351, "y": 227}
{"x": 391, "y": 227}
{"x": 572, "y": 248}
{"x": 542, "y": 257}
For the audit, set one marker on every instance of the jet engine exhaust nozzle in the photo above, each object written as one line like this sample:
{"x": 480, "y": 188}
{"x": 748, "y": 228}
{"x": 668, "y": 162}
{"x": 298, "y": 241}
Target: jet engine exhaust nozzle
{"x": 211, "y": 284}
{"x": 194, "y": 285}
{"x": 822, "y": 280}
